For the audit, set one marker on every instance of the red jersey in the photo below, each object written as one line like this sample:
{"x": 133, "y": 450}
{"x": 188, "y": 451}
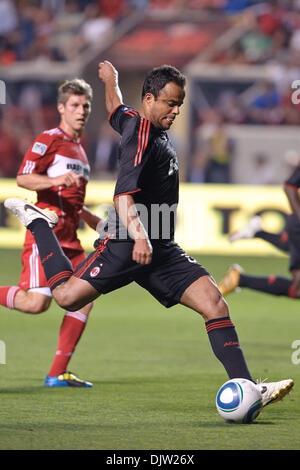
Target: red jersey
{"x": 55, "y": 153}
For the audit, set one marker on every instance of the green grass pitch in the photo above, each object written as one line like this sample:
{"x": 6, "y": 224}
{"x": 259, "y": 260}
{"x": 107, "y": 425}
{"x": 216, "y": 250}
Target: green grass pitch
{"x": 155, "y": 377}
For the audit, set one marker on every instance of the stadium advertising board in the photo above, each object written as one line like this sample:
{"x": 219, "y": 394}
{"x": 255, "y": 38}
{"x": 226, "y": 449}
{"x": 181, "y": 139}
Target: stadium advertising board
{"x": 206, "y": 214}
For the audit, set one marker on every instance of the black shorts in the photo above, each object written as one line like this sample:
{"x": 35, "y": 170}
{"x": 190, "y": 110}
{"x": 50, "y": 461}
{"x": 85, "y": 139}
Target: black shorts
{"x": 167, "y": 277}
{"x": 293, "y": 230}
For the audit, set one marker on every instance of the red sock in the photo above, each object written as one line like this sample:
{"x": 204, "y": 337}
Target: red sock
{"x": 7, "y": 295}
{"x": 71, "y": 330}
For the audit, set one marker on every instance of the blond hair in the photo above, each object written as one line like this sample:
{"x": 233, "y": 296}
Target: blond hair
{"x": 76, "y": 86}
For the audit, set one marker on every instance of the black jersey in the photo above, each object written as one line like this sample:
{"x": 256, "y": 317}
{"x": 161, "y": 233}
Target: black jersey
{"x": 294, "y": 178}
{"x": 148, "y": 170}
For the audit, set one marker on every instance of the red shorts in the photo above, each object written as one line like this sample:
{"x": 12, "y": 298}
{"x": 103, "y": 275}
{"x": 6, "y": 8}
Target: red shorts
{"x": 32, "y": 275}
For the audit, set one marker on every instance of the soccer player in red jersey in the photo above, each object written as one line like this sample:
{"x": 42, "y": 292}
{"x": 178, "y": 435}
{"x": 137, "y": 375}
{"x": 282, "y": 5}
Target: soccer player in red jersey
{"x": 57, "y": 168}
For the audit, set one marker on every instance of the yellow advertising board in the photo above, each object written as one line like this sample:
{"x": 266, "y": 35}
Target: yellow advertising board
{"x": 206, "y": 215}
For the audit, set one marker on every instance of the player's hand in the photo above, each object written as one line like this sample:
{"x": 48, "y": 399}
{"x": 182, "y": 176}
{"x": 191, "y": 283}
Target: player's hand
{"x": 67, "y": 180}
{"x": 142, "y": 251}
{"x": 107, "y": 72}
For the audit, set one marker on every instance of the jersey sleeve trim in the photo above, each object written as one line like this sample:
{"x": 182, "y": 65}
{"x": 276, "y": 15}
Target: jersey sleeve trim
{"x": 28, "y": 168}
{"x": 113, "y": 111}
{"x": 129, "y": 192}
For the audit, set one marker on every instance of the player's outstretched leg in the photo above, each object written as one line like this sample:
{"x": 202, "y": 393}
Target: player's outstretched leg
{"x": 204, "y": 297}
{"x": 68, "y": 291}
{"x": 254, "y": 229}
{"x": 249, "y": 230}
{"x": 235, "y": 277}
{"x": 56, "y": 265}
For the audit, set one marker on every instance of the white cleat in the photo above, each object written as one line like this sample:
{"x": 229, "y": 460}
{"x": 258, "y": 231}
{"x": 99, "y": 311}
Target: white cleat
{"x": 27, "y": 212}
{"x": 271, "y": 392}
{"x": 248, "y": 231}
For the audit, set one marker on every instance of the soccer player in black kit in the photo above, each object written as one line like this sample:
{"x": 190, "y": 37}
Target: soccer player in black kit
{"x": 137, "y": 243}
{"x": 288, "y": 241}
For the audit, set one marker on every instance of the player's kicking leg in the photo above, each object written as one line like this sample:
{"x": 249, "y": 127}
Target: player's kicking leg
{"x": 68, "y": 291}
{"x": 204, "y": 297}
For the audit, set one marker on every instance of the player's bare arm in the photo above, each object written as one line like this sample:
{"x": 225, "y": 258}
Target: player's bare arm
{"x": 91, "y": 219}
{"x": 294, "y": 199}
{"x": 142, "y": 249}
{"x": 36, "y": 182}
{"x": 109, "y": 75}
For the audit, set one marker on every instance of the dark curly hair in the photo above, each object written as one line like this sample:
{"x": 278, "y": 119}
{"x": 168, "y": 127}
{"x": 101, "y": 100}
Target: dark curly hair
{"x": 158, "y": 78}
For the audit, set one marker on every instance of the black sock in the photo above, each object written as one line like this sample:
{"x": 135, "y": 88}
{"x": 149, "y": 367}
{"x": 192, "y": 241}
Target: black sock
{"x": 57, "y": 266}
{"x": 275, "y": 285}
{"x": 225, "y": 345}
{"x": 280, "y": 240}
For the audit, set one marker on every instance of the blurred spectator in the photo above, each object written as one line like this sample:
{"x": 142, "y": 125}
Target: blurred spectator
{"x": 26, "y": 31}
{"x": 214, "y": 149}
{"x": 219, "y": 153}
{"x": 9, "y": 15}
{"x": 114, "y": 9}
{"x": 9, "y": 154}
{"x": 52, "y": 30}
{"x": 291, "y": 160}
{"x": 231, "y": 107}
{"x": 105, "y": 152}
{"x": 263, "y": 170}
{"x": 94, "y": 26}
{"x": 266, "y": 107}
{"x": 198, "y": 167}
{"x": 256, "y": 46}
{"x": 236, "y": 6}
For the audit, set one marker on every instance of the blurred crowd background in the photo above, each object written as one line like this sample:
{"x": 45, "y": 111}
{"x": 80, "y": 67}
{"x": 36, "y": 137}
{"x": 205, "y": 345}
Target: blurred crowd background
{"x": 241, "y": 57}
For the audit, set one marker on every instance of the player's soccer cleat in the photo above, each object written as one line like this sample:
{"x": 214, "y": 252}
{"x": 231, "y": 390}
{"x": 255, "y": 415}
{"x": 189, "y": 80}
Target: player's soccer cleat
{"x": 231, "y": 280}
{"x": 67, "y": 379}
{"x": 248, "y": 231}
{"x": 27, "y": 212}
{"x": 271, "y": 392}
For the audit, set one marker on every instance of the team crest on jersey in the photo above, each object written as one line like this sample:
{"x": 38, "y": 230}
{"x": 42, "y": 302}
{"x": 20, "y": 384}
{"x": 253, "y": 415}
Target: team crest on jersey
{"x": 95, "y": 271}
{"x": 39, "y": 148}
{"x": 173, "y": 166}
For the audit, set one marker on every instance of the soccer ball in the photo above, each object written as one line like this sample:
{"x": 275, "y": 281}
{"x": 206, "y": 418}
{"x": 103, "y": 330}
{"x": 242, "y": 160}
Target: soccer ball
{"x": 239, "y": 401}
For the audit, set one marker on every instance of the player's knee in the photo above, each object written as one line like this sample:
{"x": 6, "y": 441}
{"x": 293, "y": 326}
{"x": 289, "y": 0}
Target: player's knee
{"x": 221, "y": 308}
{"x": 65, "y": 303}
{"x": 68, "y": 301}
{"x": 218, "y": 308}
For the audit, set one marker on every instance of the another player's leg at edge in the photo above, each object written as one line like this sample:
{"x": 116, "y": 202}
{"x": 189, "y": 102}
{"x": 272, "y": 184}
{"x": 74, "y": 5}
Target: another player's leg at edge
{"x": 73, "y": 293}
{"x": 235, "y": 277}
